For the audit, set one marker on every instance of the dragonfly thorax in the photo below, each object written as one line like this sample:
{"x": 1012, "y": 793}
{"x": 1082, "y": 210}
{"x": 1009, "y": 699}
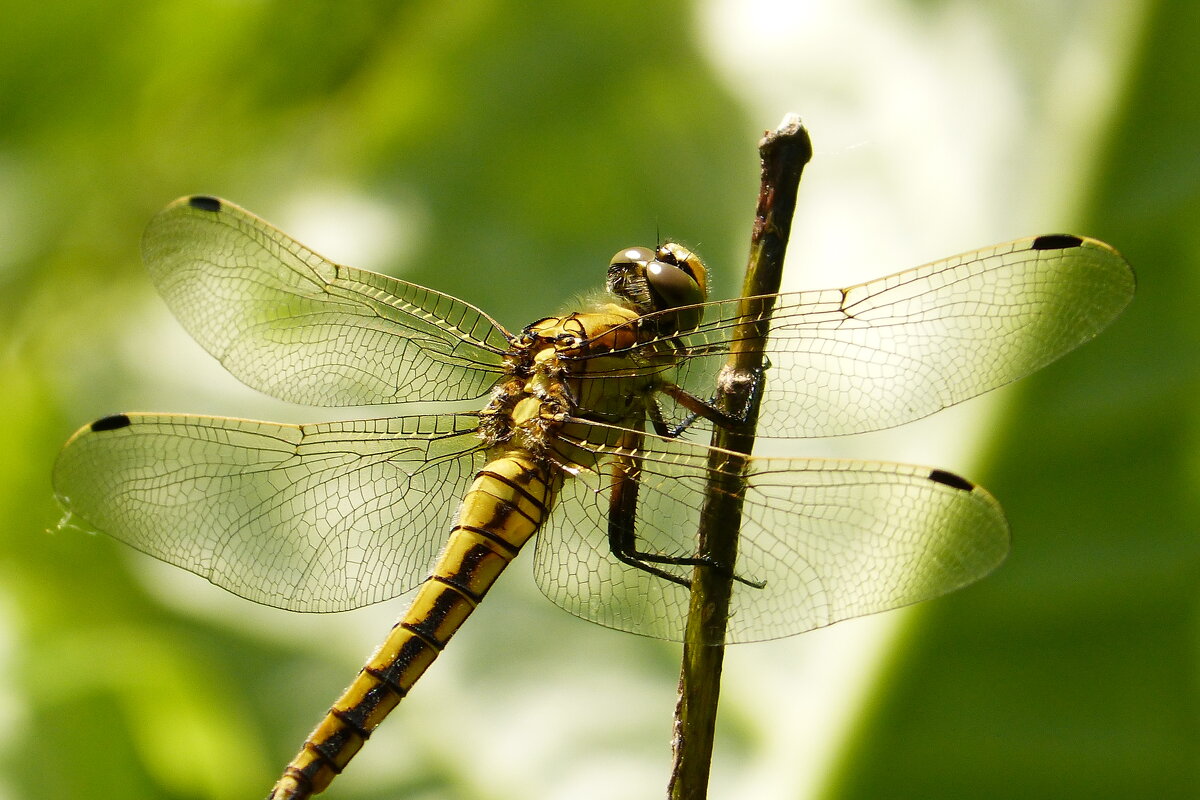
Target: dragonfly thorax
{"x": 561, "y": 368}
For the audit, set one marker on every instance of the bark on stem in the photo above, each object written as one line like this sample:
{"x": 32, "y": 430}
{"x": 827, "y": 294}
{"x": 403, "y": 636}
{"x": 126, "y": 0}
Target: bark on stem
{"x": 783, "y": 152}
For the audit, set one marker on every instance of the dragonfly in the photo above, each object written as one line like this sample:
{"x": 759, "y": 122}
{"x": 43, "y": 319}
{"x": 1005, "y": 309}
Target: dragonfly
{"x": 589, "y": 428}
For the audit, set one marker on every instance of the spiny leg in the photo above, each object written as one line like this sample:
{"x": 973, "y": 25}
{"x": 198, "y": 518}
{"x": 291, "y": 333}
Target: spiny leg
{"x": 704, "y": 408}
{"x": 622, "y": 529}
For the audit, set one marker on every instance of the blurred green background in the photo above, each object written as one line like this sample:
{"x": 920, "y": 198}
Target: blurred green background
{"x": 459, "y": 145}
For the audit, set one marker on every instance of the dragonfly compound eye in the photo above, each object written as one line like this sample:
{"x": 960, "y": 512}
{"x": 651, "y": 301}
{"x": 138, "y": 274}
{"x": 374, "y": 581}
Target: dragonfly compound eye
{"x": 676, "y": 279}
{"x": 686, "y": 260}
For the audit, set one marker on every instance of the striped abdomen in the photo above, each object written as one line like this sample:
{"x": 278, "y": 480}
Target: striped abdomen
{"x": 503, "y": 508}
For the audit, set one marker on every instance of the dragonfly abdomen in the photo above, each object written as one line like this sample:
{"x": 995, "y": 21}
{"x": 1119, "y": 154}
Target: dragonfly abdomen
{"x": 504, "y": 507}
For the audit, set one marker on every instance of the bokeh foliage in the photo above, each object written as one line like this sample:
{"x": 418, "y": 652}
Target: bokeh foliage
{"x": 1073, "y": 672}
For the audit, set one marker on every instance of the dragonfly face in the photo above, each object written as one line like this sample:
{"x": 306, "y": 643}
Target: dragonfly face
{"x": 590, "y": 435}
{"x": 670, "y": 277}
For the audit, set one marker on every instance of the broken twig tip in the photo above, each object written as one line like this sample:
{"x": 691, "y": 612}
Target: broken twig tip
{"x": 791, "y": 122}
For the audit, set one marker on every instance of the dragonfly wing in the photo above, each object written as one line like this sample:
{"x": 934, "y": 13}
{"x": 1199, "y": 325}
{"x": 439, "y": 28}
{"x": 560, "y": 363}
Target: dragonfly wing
{"x": 899, "y": 348}
{"x": 831, "y": 540}
{"x": 321, "y": 517}
{"x": 290, "y": 323}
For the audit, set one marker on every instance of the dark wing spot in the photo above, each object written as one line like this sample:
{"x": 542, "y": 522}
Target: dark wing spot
{"x": 115, "y": 422}
{"x": 951, "y": 480}
{"x": 1056, "y": 241}
{"x": 205, "y": 203}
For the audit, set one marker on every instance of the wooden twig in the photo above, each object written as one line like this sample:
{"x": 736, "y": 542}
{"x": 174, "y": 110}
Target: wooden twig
{"x": 783, "y": 152}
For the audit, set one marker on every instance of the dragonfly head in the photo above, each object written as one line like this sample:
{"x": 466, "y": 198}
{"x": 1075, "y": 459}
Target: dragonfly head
{"x": 668, "y": 277}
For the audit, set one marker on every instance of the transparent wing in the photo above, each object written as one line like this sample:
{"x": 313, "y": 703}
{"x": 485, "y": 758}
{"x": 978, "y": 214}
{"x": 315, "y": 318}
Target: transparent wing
{"x": 899, "y": 348}
{"x": 832, "y": 540}
{"x": 290, "y": 323}
{"x": 304, "y": 517}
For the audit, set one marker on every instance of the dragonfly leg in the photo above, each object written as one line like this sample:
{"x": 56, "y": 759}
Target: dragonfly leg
{"x": 706, "y": 408}
{"x": 622, "y": 532}
{"x": 622, "y": 517}
{"x": 654, "y": 411}
{"x": 627, "y": 470}
{"x": 645, "y": 561}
